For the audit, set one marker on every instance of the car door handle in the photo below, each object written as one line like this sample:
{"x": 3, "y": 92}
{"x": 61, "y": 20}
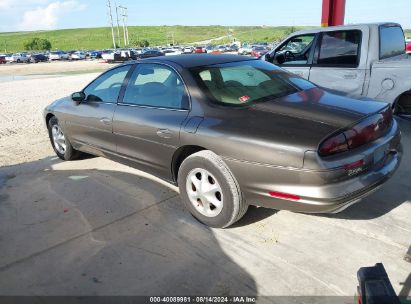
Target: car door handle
{"x": 350, "y": 76}
{"x": 164, "y": 133}
{"x": 106, "y": 121}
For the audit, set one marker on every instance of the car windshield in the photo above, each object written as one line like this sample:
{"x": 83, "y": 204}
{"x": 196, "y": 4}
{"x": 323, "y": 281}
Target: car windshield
{"x": 246, "y": 82}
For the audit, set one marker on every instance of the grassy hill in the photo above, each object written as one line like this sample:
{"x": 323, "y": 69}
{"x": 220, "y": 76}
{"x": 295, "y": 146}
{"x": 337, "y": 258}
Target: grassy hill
{"x": 100, "y": 38}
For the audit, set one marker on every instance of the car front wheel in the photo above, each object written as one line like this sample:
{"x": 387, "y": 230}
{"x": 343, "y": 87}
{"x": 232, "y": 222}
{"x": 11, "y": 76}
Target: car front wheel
{"x": 210, "y": 191}
{"x": 60, "y": 142}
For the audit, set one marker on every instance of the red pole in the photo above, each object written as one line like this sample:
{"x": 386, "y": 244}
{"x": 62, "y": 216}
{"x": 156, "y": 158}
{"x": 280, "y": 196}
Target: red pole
{"x": 326, "y": 13}
{"x": 333, "y": 12}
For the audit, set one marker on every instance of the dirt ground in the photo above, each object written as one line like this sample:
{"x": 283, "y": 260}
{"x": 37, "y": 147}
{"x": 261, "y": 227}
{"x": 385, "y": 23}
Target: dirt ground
{"x": 55, "y": 67}
{"x": 23, "y": 135}
{"x": 95, "y": 227}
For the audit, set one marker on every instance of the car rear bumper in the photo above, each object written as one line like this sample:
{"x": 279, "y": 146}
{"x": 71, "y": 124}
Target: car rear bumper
{"x": 319, "y": 191}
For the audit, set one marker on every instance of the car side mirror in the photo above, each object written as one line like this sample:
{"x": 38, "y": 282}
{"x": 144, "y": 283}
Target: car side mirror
{"x": 78, "y": 97}
{"x": 280, "y": 58}
{"x": 267, "y": 57}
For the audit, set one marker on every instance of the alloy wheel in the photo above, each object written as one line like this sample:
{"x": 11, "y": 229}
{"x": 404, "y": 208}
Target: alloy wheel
{"x": 59, "y": 139}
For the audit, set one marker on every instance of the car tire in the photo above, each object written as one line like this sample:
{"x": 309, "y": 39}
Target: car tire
{"x": 68, "y": 153}
{"x": 207, "y": 170}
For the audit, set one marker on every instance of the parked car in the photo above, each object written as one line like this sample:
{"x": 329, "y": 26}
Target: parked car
{"x": 17, "y": 57}
{"x": 259, "y": 51}
{"x": 59, "y": 55}
{"x": 95, "y": 54}
{"x": 138, "y": 51}
{"x": 126, "y": 54}
{"x": 360, "y": 60}
{"x": 3, "y": 59}
{"x": 245, "y": 49}
{"x": 209, "y": 48}
{"x": 171, "y": 52}
{"x": 108, "y": 55}
{"x": 188, "y": 50}
{"x": 187, "y": 119}
{"x": 222, "y": 48}
{"x": 78, "y": 56}
{"x": 150, "y": 53}
{"x": 35, "y": 58}
{"x": 408, "y": 45}
{"x": 199, "y": 50}
{"x": 232, "y": 48}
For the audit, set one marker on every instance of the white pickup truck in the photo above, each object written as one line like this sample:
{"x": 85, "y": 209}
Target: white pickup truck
{"x": 360, "y": 60}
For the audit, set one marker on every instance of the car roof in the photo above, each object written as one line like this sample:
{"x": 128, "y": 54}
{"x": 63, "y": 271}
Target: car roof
{"x": 196, "y": 60}
{"x": 343, "y": 27}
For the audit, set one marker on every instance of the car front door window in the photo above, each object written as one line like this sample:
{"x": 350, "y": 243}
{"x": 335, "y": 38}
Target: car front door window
{"x": 107, "y": 87}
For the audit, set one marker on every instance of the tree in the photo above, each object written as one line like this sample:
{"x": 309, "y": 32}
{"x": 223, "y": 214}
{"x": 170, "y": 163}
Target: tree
{"x": 140, "y": 43}
{"x": 37, "y": 44}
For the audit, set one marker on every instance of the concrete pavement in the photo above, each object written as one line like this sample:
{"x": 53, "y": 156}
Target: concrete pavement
{"x": 94, "y": 227}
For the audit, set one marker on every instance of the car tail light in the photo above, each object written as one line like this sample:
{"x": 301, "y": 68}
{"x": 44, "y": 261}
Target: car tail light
{"x": 368, "y": 130}
{"x": 354, "y": 165}
{"x": 288, "y": 196}
{"x": 333, "y": 145}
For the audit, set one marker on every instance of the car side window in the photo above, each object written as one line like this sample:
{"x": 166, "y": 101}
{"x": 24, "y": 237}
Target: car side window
{"x": 157, "y": 86}
{"x": 340, "y": 48}
{"x": 391, "y": 41}
{"x": 297, "y": 49}
{"x": 106, "y": 88}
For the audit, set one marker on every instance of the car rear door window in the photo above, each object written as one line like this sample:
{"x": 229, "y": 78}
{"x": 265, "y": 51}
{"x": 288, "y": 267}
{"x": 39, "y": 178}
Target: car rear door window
{"x": 392, "y": 41}
{"x": 107, "y": 87}
{"x": 339, "y": 48}
{"x": 156, "y": 85}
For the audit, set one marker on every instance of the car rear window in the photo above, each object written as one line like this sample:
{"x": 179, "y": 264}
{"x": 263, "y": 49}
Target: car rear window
{"x": 245, "y": 82}
{"x": 392, "y": 41}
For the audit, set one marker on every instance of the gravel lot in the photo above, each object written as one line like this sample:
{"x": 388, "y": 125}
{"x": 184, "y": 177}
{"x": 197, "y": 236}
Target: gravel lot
{"x": 55, "y": 67}
{"x": 23, "y": 136}
{"x": 95, "y": 227}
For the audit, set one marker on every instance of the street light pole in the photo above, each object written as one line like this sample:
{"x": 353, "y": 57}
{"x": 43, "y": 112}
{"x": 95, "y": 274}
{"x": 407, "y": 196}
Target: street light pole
{"x": 118, "y": 27}
{"x": 111, "y": 23}
{"x": 124, "y": 14}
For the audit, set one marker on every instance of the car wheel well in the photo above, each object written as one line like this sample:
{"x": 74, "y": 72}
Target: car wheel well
{"x": 180, "y": 155}
{"x": 402, "y": 104}
{"x": 48, "y": 117}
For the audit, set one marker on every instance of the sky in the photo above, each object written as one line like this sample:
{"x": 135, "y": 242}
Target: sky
{"x": 29, "y": 15}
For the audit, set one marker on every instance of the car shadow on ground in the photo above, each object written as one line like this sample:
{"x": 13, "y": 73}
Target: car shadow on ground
{"x": 69, "y": 230}
{"x": 254, "y": 214}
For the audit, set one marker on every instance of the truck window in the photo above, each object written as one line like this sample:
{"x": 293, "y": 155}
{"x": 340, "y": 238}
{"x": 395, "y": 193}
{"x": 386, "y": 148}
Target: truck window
{"x": 340, "y": 48}
{"x": 297, "y": 49}
{"x": 392, "y": 41}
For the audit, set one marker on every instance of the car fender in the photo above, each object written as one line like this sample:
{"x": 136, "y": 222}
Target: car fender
{"x": 389, "y": 80}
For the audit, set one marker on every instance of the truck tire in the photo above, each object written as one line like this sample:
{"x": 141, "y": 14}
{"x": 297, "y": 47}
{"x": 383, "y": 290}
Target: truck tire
{"x": 403, "y": 104}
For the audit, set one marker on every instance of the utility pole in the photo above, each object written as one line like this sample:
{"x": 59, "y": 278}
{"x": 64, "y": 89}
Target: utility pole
{"x": 111, "y": 23}
{"x": 124, "y": 14}
{"x": 118, "y": 27}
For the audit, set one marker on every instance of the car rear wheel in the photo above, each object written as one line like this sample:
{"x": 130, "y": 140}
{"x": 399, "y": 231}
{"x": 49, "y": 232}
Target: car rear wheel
{"x": 210, "y": 191}
{"x": 60, "y": 143}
